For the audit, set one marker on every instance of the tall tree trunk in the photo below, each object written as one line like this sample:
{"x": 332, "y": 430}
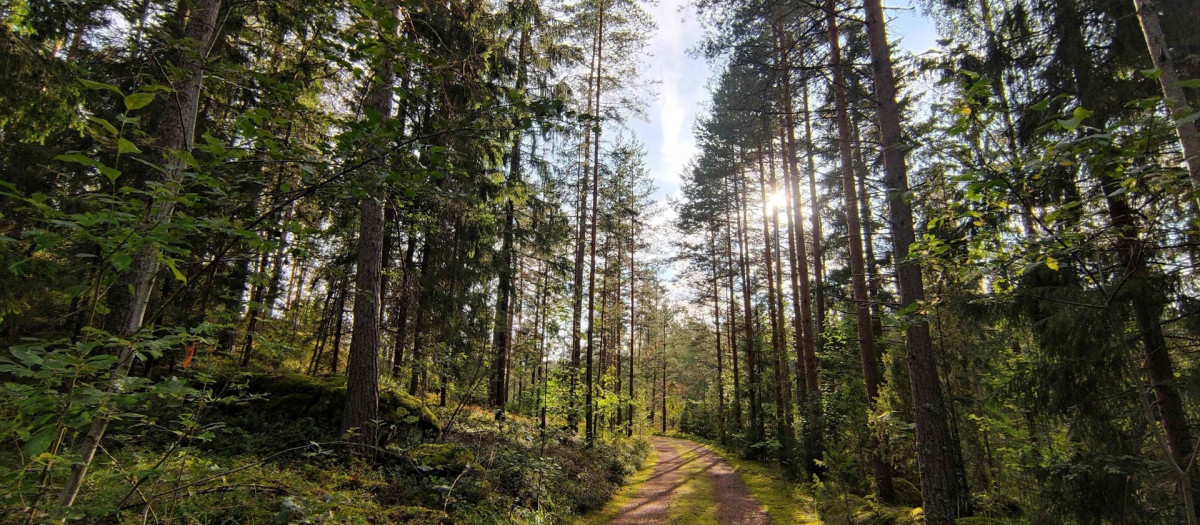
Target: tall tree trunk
{"x": 757, "y": 433}
{"x": 737, "y": 387}
{"x": 1148, "y": 304}
{"x": 337, "y": 331}
{"x": 402, "y": 303}
{"x": 420, "y": 315}
{"x": 502, "y": 336}
{"x": 632, "y": 315}
{"x": 716, "y": 287}
{"x": 176, "y": 130}
{"x": 862, "y": 301}
{"x": 943, "y": 481}
{"x": 1168, "y": 78}
{"x": 362, "y": 382}
{"x": 590, "y": 423}
{"x": 783, "y": 410}
{"x": 818, "y": 255}
{"x": 812, "y": 428}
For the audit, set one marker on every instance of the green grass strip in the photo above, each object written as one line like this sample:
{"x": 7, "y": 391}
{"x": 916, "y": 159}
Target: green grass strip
{"x": 785, "y": 502}
{"x": 695, "y": 501}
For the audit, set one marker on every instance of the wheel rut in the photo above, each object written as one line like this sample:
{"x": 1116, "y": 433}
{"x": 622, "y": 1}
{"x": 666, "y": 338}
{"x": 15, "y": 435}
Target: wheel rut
{"x": 691, "y": 484}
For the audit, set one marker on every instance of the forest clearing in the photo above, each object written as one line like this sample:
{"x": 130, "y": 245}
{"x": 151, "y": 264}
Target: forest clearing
{"x": 600, "y": 262}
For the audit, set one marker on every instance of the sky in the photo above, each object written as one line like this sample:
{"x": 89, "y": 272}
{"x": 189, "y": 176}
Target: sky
{"x": 682, "y": 82}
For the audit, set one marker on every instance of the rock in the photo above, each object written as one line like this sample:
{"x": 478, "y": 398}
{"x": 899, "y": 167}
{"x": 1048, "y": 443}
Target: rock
{"x": 442, "y": 457}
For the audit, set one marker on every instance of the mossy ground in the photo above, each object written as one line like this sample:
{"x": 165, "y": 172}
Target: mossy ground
{"x": 260, "y": 462}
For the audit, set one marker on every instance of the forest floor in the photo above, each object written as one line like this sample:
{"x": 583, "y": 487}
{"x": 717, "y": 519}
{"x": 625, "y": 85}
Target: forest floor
{"x": 686, "y": 483}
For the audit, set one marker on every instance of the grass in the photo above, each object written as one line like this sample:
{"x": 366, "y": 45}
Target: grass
{"x": 785, "y": 502}
{"x": 695, "y": 501}
{"x": 623, "y": 495}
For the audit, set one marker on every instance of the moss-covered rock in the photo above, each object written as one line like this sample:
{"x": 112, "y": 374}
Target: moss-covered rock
{"x": 297, "y": 408}
{"x": 444, "y": 457}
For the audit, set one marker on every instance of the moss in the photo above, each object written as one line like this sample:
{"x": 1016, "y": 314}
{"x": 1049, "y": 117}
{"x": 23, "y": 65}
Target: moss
{"x": 314, "y": 406}
{"x": 418, "y": 516}
{"x": 783, "y": 501}
{"x": 399, "y": 407}
{"x": 444, "y": 457}
{"x": 694, "y": 501}
{"x": 977, "y": 520}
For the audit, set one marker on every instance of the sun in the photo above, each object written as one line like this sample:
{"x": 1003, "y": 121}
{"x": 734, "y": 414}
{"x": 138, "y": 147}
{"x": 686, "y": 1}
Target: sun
{"x": 777, "y": 201}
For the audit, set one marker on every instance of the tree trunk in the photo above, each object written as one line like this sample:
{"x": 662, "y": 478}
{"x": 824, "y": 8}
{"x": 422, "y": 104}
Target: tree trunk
{"x": 712, "y": 250}
{"x": 502, "y": 336}
{"x": 943, "y": 481}
{"x": 176, "y": 131}
{"x": 862, "y": 301}
{"x": 589, "y": 408}
{"x": 362, "y": 382}
{"x": 402, "y": 303}
{"x": 1168, "y": 78}
{"x": 755, "y": 398}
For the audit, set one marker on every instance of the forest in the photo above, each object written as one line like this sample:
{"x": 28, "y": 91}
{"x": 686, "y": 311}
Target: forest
{"x": 402, "y": 261}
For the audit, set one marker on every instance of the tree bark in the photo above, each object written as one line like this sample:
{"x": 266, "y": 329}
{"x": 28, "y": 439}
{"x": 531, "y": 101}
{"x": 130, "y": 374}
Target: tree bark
{"x": 943, "y": 481}
{"x": 362, "y": 383}
{"x": 862, "y": 301}
{"x": 1168, "y": 78}
{"x": 176, "y": 130}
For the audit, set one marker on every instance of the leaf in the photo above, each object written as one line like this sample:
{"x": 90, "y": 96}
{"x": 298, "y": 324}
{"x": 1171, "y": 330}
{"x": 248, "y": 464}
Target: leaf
{"x": 105, "y": 124}
{"x": 1191, "y": 83}
{"x": 138, "y": 100}
{"x": 125, "y": 146}
{"x": 78, "y": 158}
{"x": 121, "y": 261}
{"x": 101, "y": 85}
{"x": 1151, "y": 74}
{"x": 1069, "y": 124}
{"x": 171, "y": 264}
{"x": 111, "y": 173}
{"x": 1052, "y": 263}
{"x": 40, "y": 442}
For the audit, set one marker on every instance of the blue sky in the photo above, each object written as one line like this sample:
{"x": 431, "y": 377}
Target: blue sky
{"x": 682, "y": 81}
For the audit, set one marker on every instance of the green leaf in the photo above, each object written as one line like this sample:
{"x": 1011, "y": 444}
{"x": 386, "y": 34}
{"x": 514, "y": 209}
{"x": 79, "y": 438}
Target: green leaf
{"x": 138, "y": 101}
{"x": 101, "y": 85}
{"x": 121, "y": 261}
{"x": 1069, "y": 124}
{"x": 40, "y": 442}
{"x": 171, "y": 264}
{"x": 125, "y": 146}
{"x": 112, "y": 173}
{"x": 1191, "y": 83}
{"x": 78, "y": 158}
{"x": 1151, "y": 74}
{"x": 105, "y": 124}
{"x": 1052, "y": 263}
{"x": 187, "y": 158}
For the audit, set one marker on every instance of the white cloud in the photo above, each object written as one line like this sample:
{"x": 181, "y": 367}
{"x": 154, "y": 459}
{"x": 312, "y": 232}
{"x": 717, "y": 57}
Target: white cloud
{"x": 680, "y": 84}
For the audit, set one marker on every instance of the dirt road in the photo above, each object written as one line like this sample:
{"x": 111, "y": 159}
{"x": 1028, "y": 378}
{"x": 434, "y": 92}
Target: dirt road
{"x": 691, "y": 484}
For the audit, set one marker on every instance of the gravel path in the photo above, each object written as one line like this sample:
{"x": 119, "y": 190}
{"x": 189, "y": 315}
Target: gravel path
{"x": 677, "y": 459}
